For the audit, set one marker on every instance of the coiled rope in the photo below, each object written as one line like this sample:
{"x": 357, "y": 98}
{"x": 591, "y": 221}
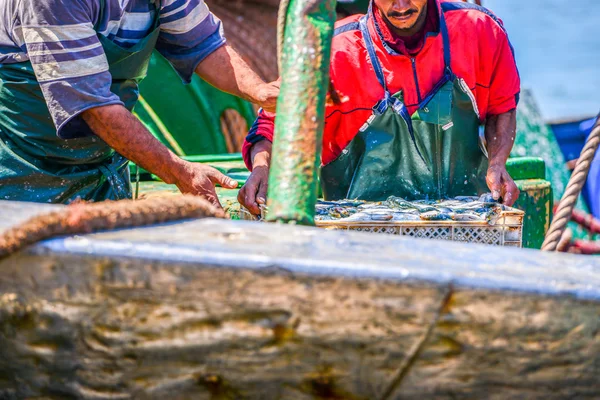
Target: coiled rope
{"x": 573, "y": 190}
{"x": 82, "y": 218}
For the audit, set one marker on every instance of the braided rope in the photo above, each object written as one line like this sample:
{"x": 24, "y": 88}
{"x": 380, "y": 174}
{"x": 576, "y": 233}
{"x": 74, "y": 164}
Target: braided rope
{"x": 573, "y": 190}
{"x": 81, "y": 218}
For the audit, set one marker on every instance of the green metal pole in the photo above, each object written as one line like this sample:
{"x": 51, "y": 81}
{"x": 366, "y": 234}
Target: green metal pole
{"x": 300, "y": 111}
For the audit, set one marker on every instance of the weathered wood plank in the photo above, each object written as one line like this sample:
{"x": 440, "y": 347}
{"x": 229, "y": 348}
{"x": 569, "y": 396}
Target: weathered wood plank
{"x": 219, "y": 310}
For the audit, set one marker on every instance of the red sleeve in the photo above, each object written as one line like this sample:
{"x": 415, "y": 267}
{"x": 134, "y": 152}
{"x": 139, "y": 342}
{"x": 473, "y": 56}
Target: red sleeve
{"x": 505, "y": 84}
{"x": 263, "y": 128}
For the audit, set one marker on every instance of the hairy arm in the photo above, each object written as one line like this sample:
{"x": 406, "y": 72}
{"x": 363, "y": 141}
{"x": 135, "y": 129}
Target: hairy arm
{"x": 125, "y": 133}
{"x": 500, "y": 131}
{"x": 225, "y": 70}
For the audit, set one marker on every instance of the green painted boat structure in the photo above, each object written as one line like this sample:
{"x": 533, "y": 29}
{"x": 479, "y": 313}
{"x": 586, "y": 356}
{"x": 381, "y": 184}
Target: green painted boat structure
{"x": 186, "y": 118}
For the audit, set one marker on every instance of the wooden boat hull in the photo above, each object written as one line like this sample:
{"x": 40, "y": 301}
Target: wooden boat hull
{"x": 218, "y": 309}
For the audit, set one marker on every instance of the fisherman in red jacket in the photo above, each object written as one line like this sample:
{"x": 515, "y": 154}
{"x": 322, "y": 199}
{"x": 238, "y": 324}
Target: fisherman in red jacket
{"x": 412, "y": 82}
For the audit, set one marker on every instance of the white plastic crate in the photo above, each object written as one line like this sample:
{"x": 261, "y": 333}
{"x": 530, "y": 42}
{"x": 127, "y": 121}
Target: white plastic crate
{"x": 506, "y": 231}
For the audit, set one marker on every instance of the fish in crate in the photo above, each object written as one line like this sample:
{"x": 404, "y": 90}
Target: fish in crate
{"x": 463, "y": 218}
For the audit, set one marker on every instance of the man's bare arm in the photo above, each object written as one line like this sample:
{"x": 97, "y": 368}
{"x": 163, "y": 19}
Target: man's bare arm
{"x": 254, "y": 192}
{"x": 500, "y": 131}
{"x": 125, "y": 133}
{"x": 225, "y": 70}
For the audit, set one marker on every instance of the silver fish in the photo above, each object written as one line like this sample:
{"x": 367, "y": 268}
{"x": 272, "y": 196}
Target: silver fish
{"x": 463, "y": 208}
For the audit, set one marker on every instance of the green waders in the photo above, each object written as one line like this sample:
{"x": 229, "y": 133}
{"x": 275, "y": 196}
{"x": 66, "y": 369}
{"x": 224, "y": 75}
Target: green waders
{"x": 434, "y": 154}
{"x": 37, "y": 165}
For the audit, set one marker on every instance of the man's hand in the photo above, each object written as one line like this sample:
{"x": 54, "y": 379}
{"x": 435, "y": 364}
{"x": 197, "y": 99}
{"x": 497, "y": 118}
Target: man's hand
{"x": 200, "y": 180}
{"x": 126, "y": 134}
{"x": 267, "y": 95}
{"x": 502, "y": 185}
{"x": 254, "y": 193}
{"x": 227, "y": 71}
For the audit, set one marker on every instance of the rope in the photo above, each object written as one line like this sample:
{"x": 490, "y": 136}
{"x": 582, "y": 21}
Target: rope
{"x": 82, "y": 218}
{"x": 573, "y": 190}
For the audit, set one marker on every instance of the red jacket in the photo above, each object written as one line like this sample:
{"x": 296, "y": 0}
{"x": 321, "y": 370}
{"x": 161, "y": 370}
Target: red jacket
{"x": 481, "y": 54}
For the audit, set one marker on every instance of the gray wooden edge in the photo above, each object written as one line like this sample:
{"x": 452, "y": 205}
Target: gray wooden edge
{"x": 13, "y": 213}
{"x": 313, "y": 251}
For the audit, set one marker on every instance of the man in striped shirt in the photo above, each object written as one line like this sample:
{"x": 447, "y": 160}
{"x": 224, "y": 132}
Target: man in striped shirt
{"x": 68, "y": 77}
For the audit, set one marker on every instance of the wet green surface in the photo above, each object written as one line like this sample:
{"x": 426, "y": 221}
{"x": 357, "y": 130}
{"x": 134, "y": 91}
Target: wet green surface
{"x": 526, "y": 168}
{"x": 536, "y": 200}
{"x": 293, "y": 183}
{"x": 193, "y": 121}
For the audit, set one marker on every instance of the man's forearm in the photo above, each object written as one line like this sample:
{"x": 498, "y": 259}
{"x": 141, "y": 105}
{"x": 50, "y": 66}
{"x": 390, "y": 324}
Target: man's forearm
{"x": 260, "y": 153}
{"x": 125, "y": 133}
{"x": 227, "y": 71}
{"x": 500, "y": 131}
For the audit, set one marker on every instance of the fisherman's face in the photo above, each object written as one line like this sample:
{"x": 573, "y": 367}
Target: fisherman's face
{"x": 404, "y": 15}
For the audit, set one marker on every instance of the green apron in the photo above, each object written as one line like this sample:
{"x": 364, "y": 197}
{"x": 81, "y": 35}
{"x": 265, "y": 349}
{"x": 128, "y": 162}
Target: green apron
{"x": 434, "y": 154}
{"x": 37, "y": 165}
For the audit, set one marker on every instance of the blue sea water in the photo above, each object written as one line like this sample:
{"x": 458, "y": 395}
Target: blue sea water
{"x": 557, "y": 44}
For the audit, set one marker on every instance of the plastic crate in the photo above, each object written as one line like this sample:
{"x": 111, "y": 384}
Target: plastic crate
{"x": 506, "y": 231}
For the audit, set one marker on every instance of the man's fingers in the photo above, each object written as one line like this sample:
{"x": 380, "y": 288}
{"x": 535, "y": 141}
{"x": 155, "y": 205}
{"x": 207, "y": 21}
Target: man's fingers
{"x": 212, "y": 198}
{"x": 506, "y": 196}
{"x": 494, "y": 182}
{"x": 240, "y": 195}
{"x": 511, "y": 193}
{"x": 261, "y": 197}
{"x": 218, "y": 178}
{"x": 252, "y": 206}
{"x": 247, "y": 196}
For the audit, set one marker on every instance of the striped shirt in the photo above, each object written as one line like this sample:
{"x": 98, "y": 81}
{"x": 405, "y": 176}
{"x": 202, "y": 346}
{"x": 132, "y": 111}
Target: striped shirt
{"x": 59, "y": 38}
